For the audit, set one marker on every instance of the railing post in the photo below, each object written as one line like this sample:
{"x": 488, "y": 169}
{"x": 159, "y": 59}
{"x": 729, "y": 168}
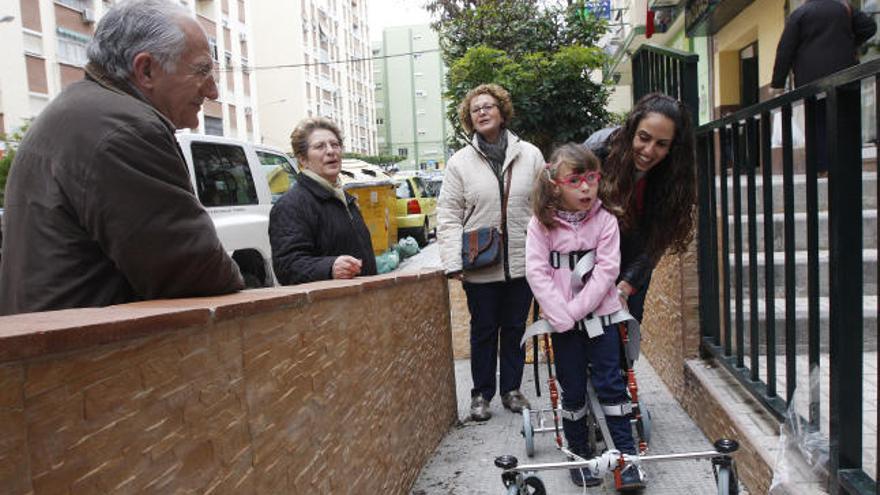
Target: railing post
{"x": 846, "y": 330}
{"x": 707, "y": 244}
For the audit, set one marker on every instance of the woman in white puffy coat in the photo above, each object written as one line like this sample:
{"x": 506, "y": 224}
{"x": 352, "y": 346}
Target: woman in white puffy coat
{"x": 498, "y": 296}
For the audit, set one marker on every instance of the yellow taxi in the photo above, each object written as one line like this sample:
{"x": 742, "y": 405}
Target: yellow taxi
{"x": 416, "y": 208}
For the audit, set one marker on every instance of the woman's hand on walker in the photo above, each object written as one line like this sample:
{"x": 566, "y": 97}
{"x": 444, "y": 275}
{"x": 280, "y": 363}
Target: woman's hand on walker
{"x": 346, "y": 267}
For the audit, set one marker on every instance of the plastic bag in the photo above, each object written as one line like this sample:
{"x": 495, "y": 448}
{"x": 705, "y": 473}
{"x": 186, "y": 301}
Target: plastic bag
{"x": 803, "y": 453}
{"x": 797, "y": 135}
{"x": 407, "y": 247}
{"x": 387, "y": 261}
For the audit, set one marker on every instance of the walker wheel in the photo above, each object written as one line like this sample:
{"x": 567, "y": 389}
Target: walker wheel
{"x": 528, "y": 432}
{"x": 647, "y": 422}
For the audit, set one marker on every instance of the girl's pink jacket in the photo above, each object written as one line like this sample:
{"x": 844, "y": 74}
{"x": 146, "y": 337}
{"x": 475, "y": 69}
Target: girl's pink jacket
{"x": 552, "y": 287}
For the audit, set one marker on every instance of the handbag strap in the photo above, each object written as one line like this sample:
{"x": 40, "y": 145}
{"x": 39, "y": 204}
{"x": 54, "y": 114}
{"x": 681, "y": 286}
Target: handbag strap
{"x": 505, "y": 197}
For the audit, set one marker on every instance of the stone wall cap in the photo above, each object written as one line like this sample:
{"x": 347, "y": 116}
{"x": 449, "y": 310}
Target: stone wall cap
{"x": 35, "y": 334}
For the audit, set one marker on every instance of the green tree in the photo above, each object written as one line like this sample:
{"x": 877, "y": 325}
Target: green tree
{"x": 543, "y": 53}
{"x": 10, "y": 143}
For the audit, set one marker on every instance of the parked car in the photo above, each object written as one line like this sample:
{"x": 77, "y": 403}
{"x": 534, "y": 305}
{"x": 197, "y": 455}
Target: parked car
{"x": 230, "y": 179}
{"x": 416, "y": 209}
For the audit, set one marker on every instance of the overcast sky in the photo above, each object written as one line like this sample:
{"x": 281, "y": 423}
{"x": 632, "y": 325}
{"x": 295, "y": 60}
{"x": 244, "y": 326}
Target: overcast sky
{"x": 388, "y": 13}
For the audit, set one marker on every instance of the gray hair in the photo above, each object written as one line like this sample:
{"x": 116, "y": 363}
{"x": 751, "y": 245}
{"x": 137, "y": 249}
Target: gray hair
{"x": 136, "y": 26}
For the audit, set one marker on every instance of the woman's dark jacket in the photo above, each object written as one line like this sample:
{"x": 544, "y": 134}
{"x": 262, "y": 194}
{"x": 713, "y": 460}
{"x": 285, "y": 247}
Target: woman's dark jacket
{"x": 635, "y": 264}
{"x": 309, "y": 228}
{"x": 820, "y": 38}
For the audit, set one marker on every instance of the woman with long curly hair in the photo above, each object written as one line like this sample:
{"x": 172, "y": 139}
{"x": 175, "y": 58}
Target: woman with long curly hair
{"x": 648, "y": 181}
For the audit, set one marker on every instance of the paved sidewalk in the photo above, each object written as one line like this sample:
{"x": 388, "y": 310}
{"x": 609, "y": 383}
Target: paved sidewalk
{"x": 463, "y": 462}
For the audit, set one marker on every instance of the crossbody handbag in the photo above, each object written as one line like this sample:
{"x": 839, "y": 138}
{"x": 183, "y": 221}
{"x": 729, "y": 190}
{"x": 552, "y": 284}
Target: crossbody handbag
{"x": 481, "y": 248}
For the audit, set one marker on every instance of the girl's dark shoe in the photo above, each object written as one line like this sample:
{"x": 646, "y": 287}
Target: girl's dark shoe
{"x": 631, "y": 478}
{"x": 583, "y": 477}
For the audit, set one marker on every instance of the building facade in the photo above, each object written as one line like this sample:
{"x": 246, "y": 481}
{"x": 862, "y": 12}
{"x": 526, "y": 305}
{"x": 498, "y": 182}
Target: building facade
{"x": 410, "y": 108}
{"x": 627, "y": 31}
{"x": 314, "y": 60}
{"x": 44, "y": 50}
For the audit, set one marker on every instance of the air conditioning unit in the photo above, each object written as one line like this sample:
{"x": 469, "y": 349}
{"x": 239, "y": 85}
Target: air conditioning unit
{"x": 248, "y": 110}
{"x": 242, "y": 36}
{"x": 88, "y": 16}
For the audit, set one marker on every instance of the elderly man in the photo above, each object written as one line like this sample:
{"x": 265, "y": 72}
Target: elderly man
{"x": 99, "y": 206}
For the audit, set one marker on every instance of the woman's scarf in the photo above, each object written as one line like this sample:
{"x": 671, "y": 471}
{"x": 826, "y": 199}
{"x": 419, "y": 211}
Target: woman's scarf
{"x": 495, "y": 152}
{"x": 335, "y": 189}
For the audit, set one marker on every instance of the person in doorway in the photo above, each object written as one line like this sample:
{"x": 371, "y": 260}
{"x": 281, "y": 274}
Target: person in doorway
{"x": 496, "y": 165}
{"x": 820, "y": 38}
{"x": 100, "y": 209}
{"x": 570, "y": 224}
{"x": 316, "y": 230}
{"x": 649, "y": 184}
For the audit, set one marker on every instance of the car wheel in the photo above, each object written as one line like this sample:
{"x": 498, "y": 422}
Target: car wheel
{"x": 251, "y": 281}
{"x": 422, "y": 235}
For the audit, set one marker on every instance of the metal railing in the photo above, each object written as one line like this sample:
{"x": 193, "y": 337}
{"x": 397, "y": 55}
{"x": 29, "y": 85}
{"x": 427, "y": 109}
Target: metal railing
{"x": 736, "y": 157}
{"x": 658, "y": 69}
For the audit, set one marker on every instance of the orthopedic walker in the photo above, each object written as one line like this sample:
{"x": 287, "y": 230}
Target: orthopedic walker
{"x": 611, "y": 460}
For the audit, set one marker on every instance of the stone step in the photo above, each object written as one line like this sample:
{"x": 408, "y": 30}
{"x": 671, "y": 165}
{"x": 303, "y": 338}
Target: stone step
{"x": 869, "y": 192}
{"x": 869, "y": 326}
{"x": 869, "y": 230}
{"x": 869, "y": 273}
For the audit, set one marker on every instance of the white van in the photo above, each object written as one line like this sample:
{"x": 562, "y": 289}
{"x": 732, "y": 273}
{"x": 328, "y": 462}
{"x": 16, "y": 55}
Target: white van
{"x": 229, "y": 177}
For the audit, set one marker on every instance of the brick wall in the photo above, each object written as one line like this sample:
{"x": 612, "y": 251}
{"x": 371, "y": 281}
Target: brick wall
{"x": 461, "y": 320}
{"x": 713, "y": 399}
{"x": 321, "y": 388}
{"x": 671, "y": 326}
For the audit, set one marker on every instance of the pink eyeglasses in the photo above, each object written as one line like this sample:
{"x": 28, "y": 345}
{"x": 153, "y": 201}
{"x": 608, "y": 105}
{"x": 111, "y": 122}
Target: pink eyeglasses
{"x": 575, "y": 180}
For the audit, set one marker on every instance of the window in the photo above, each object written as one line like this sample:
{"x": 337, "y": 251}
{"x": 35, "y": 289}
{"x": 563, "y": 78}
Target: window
{"x": 213, "y": 126}
{"x": 404, "y": 190}
{"x": 279, "y": 172}
{"x": 75, "y": 4}
{"x": 212, "y": 45}
{"x": 403, "y": 152}
{"x": 72, "y": 47}
{"x": 223, "y": 177}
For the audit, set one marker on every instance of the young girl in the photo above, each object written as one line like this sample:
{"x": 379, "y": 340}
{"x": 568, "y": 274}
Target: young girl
{"x": 569, "y": 224}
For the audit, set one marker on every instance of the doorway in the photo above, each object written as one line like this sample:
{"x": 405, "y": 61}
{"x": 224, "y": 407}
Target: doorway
{"x": 748, "y": 74}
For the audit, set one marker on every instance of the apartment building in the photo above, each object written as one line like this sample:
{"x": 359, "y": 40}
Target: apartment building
{"x": 313, "y": 60}
{"x": 44, "y": 50}
{"x": 411, "y": 110}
